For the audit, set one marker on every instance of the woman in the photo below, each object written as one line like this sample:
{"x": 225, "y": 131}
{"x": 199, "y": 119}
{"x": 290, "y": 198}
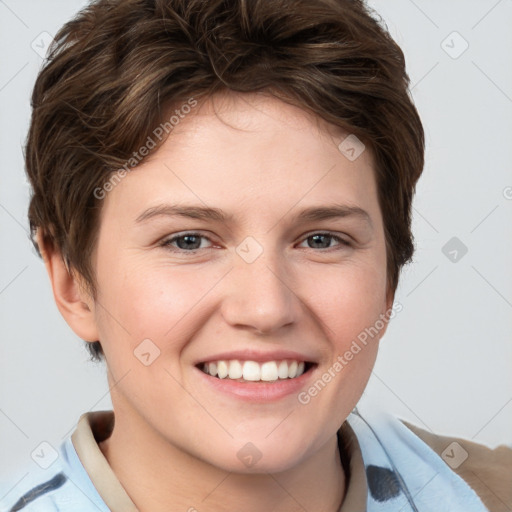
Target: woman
{"x": 222, "y": 198}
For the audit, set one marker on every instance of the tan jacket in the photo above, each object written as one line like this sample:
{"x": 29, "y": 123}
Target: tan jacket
{"x": 487, "y": 471}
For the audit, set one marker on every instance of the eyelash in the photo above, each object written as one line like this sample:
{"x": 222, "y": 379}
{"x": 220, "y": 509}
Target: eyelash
{"x": 167, "y": 243}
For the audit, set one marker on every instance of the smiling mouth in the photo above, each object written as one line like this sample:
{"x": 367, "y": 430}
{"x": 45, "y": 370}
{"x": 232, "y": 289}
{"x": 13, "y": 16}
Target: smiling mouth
{"x": 252, "y": 371}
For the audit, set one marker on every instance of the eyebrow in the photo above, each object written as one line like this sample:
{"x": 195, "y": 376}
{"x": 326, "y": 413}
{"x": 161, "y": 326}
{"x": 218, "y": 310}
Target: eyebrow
{"x": 216, "y": 214}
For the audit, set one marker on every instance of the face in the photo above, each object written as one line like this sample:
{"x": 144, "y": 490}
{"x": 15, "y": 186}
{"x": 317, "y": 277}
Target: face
{"x": 253, "y": 271}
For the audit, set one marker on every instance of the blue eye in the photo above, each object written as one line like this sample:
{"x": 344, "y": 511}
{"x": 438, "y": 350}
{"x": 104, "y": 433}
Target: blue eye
{"x": 188, "y": 242}
{"x": 192, "y": 242}
{"x": 317, "y": 237}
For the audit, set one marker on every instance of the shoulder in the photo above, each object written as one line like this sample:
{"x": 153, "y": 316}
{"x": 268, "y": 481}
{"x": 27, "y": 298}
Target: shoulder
{"x": 62, "y": 486}
{"x": 486, "y": 470}
{"x": 49, "y": 494}
{"x": 34, "y": 493}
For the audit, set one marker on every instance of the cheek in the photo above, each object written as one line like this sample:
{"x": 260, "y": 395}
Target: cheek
{"x": 348, "y": 300}
{"x": 146, "y": 301}
{"x": 143, "y": 324}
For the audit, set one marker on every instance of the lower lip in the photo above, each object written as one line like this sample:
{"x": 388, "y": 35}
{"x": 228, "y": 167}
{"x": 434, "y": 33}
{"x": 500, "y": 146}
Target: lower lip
{"x": 257, "y": 391}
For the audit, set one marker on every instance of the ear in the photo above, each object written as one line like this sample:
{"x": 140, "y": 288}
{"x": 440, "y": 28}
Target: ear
{"x": 390, "y": 297}
{"x": 73, "y": 302}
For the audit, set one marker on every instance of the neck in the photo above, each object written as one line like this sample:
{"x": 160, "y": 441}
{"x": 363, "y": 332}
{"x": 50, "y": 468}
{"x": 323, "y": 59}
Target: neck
{"x": 159, "y": 476}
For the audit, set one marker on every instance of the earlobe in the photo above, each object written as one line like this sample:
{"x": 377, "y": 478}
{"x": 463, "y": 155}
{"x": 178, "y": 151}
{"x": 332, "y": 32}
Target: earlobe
{"x": 390, "y": 297}
{"x": 73, "y": 302}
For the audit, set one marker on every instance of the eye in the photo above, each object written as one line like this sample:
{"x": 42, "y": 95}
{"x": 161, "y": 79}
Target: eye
{"x": 323, "y": 240}
{"x": 191, "y": 242}
{"x": 188, "y": 242}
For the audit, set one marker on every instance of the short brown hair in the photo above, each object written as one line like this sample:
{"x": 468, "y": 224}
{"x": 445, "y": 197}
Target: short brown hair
{"x": 115, "y": 68}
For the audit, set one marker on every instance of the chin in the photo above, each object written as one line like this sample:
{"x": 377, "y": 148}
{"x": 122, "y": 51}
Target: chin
{"x": 259, "y": 456}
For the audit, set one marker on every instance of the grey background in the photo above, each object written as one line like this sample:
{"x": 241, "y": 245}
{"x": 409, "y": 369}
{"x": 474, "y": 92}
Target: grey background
{"x": 445, "y": 361}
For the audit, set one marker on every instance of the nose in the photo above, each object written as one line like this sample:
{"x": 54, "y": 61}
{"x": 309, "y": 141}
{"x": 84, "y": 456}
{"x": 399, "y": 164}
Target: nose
{"x": 259, "y": 297}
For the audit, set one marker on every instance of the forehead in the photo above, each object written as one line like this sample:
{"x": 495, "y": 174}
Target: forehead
{"x": 252, "y": 119}
{"x": 248, "y": 153}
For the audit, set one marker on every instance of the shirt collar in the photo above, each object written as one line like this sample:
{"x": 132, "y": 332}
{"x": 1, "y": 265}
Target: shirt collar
{"x": 94, "y": 427}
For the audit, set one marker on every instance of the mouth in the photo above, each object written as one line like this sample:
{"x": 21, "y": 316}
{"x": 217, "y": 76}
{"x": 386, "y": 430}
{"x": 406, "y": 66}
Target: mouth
{"x": 252, "y": 371}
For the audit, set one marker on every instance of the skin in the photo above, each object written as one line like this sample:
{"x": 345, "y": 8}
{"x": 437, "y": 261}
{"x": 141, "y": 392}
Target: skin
{"x": 175, "y": 441}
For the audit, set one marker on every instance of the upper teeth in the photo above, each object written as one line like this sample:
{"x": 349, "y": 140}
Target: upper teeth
{"x": 254, "y": 371}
